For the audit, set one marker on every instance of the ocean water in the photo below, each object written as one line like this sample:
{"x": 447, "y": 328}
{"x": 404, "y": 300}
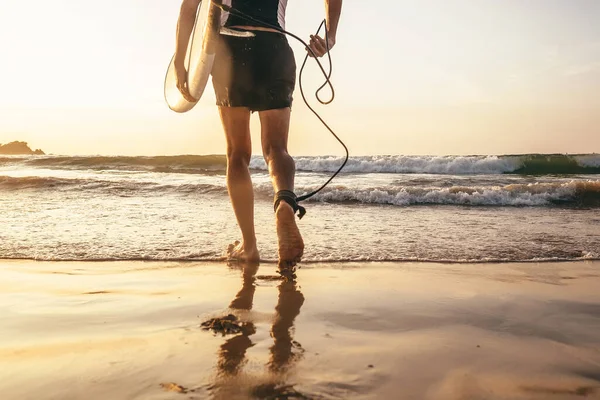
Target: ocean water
{"x": 381, "y": 208}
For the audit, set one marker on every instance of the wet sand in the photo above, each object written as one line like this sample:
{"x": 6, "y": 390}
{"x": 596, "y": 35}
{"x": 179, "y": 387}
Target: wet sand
{"x": 132, "y": 330}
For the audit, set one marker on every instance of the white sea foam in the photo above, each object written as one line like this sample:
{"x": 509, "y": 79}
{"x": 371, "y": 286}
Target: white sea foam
{"x": 453, "y": 165}
{"x": 366, "y": 192}
{"x": 536, "y": 194}
{"x": 590, "y": 160}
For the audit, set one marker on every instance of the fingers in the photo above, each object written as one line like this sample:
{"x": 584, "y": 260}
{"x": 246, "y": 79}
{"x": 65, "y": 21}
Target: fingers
{"x": 317, "y": 45}
{"x": 181, "y": 83}
{"x": 186, "y": 95}
{"x": 183, "y": 89}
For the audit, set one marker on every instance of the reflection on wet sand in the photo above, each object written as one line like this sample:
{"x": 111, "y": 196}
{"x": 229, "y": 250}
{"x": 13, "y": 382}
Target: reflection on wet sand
{"x": 288, "y": 307}
{"x": 232, "y": 353}
{"x": 283, "y": 353}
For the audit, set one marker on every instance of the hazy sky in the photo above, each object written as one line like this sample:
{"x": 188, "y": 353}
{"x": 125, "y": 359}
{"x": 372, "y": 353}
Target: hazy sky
{"x": 411, "y": 77}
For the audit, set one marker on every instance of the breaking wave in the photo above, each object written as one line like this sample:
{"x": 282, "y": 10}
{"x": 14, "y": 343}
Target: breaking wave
{"x": 577, "y": 193}
{"x": 531, "y": 164}
{"x": 574, "y": 192}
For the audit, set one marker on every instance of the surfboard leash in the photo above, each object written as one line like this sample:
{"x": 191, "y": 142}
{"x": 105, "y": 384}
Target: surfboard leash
{"x": 327, "y": 82}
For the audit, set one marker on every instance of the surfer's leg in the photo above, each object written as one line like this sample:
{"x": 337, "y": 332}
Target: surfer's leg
{"x": 236, "y": 124}
{"x": 274, "y": 135}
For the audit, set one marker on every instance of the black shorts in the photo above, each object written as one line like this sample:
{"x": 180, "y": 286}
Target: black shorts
{"x": 257, "y": 72}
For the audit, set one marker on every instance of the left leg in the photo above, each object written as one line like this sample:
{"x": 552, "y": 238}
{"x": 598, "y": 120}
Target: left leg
{"x": 236, "y": 124}
{"x": 274, "y": 135}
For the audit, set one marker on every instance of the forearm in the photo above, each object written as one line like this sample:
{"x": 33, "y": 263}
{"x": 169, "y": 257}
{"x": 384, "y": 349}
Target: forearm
{"x": 333, "y": 10}
{"x": 185, "y": 25}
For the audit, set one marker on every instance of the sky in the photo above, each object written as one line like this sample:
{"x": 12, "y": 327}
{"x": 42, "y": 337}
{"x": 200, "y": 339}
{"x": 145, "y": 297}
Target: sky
{"x": 421, "y": 77}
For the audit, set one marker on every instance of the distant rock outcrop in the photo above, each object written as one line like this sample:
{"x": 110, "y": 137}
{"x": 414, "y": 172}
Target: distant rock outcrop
{"x": 18, "y": 148}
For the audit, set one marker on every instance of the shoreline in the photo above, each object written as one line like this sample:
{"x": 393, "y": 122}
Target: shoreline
{"x": 309, "y": 262}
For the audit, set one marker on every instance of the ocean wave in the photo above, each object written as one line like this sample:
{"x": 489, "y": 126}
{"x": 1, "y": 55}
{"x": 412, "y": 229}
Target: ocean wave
{"x": 170, "y": 164}
{"x": 588, "y": 161}
{"x": 530, "y": 164}
{"x": 109, "y": 186}
{"x": 576, "y": 192}
{"x": 37, "y": 182}
{"x": 447, "y": 165}
{"x": 7, "y": 159}
{"x": 573, "y": 192}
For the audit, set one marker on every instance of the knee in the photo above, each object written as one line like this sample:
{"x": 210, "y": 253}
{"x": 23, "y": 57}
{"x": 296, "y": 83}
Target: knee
{"x": 238, "y": 158}
{"x": 271, "y": 152}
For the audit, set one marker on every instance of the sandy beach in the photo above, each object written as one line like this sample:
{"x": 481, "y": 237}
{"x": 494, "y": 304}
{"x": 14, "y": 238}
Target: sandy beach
{"x": 132, "y": 330}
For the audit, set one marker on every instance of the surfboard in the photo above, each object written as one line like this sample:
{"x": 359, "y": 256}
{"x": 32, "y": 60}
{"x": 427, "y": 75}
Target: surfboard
{"x": 199, "y": 57}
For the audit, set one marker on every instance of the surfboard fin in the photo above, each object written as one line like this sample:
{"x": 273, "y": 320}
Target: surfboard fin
{"x": 236, "y": 33}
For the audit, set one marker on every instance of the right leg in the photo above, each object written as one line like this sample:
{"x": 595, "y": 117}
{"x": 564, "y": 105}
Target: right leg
{"x": 236, "y": 124}
{"x": 274, "y": 134}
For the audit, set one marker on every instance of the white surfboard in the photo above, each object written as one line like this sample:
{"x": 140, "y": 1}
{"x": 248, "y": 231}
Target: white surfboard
{"x": 199, "y": 57}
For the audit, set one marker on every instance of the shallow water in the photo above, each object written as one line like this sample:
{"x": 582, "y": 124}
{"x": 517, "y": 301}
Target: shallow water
{"x": 91, "y": 208}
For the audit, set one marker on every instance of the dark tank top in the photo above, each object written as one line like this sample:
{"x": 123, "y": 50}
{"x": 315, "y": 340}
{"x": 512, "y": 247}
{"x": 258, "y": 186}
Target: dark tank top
{"x": 271, "y": 12}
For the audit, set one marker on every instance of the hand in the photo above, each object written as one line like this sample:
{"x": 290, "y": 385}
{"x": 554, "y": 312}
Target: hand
{"x": 319, "y": 46}
{"x": 181, "y": 76}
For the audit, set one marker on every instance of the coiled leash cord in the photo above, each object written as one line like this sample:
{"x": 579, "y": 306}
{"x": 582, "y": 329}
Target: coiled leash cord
{"x": 286, "y": 195}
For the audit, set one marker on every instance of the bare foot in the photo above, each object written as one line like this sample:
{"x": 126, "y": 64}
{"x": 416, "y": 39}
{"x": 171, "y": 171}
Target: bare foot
{"x": 291, "y": 245}
{"x": 238, "y": 252}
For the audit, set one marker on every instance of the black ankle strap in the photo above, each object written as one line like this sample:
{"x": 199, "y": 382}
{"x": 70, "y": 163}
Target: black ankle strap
{"x": 289, "y": 197}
